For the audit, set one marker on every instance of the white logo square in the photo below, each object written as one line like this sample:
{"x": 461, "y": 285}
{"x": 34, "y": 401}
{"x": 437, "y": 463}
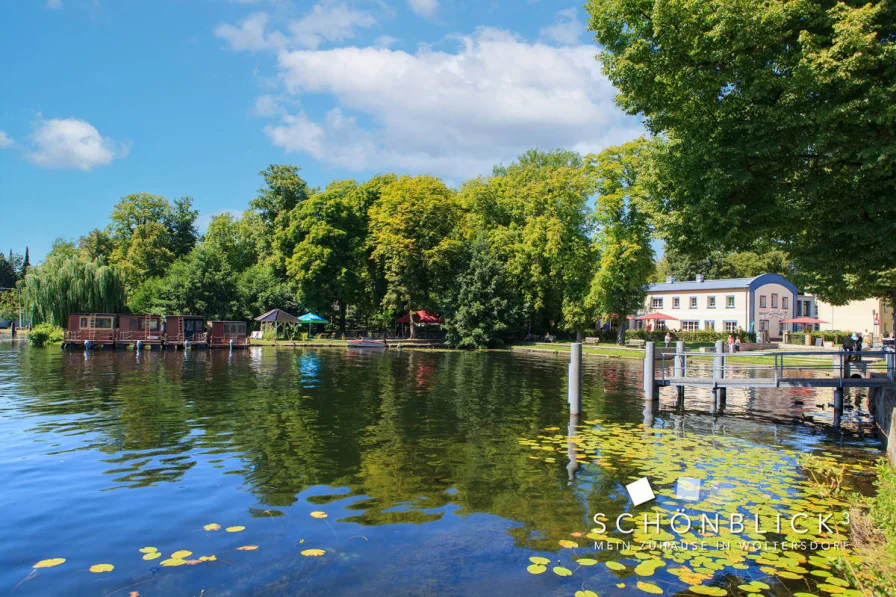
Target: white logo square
{"x": 640, "y": 491}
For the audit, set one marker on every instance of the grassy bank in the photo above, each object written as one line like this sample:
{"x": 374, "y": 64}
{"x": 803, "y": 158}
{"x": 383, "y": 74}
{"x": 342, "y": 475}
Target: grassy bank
{"x": 873, "y": 534}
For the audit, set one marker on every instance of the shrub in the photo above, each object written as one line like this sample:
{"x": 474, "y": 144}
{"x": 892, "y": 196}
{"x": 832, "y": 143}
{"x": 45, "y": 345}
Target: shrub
{"x": 45, "y": 332}
{"x": 683, "y": 336}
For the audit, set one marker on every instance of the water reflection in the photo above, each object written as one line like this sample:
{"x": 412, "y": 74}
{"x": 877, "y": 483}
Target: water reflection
{"x": 414, "y": 440}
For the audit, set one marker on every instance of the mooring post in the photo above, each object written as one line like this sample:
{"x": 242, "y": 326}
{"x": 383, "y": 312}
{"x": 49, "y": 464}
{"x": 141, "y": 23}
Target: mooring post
{"x": 573, "y": 467}
{"x": 678, "y": 371}
{"x": 838, "y": 406}
{"x": 575, "y": 378}
{"x": 718, "y": 372}
{"x": 650, "y": 388}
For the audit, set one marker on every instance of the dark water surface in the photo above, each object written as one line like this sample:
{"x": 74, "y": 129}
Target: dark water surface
{"x": 415, "y": 457}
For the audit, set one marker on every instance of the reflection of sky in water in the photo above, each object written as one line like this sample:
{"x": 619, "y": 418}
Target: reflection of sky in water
{"x": 309, "y": 370}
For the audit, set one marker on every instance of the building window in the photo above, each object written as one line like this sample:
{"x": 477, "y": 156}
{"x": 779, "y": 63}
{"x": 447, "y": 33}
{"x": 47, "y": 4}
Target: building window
{"x": 102, "y": 323}
{"x": 763, "y": 325}
{"x": 774, "y": 301}
{"x": 83, "y": 323}
{"x": 785, "y": 302}
{"x": 729, "y": 301}
{"x": 693, "y": 302}
{"x": 730, "y": 326}
{"x": 690, "y": 326}
{"x": 710, "y": 302}
{"x": 676, "y": 302}
{"x": 656, "y": 302}
{"x": 709, "y": 326}
{"x": 660, "y": 325}
{"x": 762, "y": 302}
{"x": 780, "y": 327}
{"x": 234, "y": 328}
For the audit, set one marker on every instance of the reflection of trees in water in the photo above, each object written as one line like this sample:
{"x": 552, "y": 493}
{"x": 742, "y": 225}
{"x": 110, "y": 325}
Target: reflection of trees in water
{"x": 405, "y": 434}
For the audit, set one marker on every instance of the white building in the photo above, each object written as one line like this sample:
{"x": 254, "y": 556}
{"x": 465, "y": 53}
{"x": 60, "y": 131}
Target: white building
{"x": 760, "y": 303}
{"x": 873, "y": 316}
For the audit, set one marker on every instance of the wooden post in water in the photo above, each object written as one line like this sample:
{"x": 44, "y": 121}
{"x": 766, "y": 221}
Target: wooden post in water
{"x": 678, "y": 370}
{"x": 575, "y": 378}
{"x": 718, "y": 375}
{"x": 650, "y": 389}
{"x": 838, "y": 407}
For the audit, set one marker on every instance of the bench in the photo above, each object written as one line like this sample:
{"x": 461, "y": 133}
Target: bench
{"x": 592, "y": 340}
{"x": 255, "y": 336}
{"x": 635, "y": 342}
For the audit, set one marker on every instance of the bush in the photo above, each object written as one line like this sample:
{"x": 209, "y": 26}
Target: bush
{"x": 836, "y": 336}
{"x": 45, "y": 332}
{"x": 695, "y": 336}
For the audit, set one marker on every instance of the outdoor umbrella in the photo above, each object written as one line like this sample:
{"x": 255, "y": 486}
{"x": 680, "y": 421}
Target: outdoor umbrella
{"x": 310, "y": 318}
{"x": 805, "y": 321}
{"x": 657, "y": 317}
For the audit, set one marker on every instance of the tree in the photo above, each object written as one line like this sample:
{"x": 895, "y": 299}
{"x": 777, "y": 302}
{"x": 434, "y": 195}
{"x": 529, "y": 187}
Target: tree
{"x": 26, "y": 263}
{"x": 96, "y": 244}
{"x": 410, "y": 230}
{"x": 231, "y": 237}
{"x": 779, "y": 123}
{"x": 181, "y": 224}
{"x": 70, "y": 285}
{"x": 536, "y": 214}
{"x": 9, "y": 303}
{"x": 284, "y": 190}
{"x": 8, "y": 275}
{"x": 329, "y": 233}
{"x": 719, "y": 264}
{"x": 622, "y": 212}
{"x": 201, "y": 283}
{"x": 483, "y": 307}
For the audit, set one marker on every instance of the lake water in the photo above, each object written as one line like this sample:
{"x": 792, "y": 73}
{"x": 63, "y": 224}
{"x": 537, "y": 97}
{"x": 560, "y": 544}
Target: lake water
{"x": 440, "y": 473}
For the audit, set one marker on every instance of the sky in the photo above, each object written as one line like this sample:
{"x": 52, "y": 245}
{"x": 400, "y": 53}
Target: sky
{"x": 177, "y": 98}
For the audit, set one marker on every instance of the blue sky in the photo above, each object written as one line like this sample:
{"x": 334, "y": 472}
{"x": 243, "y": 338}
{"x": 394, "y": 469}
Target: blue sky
{"x": 104, "y": 98}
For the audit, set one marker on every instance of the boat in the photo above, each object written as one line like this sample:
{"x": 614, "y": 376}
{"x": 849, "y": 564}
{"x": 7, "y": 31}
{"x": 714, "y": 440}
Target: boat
{"x": 366, "y": 343}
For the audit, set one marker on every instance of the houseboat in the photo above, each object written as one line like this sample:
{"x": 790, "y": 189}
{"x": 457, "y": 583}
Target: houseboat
{"x": 228, "y": 334}
{"x": 91, "y": 329}
{"x": 183, "y": 329}
{"x": 139, "y": 330}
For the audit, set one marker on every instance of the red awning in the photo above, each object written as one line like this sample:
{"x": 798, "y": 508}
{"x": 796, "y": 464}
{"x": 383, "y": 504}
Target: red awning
{"x": 657, "y": 317}
{"x": 421, "y": 317}
{"x": 804, "y": 320}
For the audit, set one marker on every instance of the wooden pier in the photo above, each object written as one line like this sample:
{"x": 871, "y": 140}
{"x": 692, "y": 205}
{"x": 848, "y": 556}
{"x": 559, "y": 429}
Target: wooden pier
{"x": 683, "y": 369}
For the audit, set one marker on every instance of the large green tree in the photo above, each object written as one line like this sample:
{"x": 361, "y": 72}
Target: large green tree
{"x": 623, "y": 212}
{"x": 412, "y": 225}
{"x": 535, "y": 212}
{"x": 779, "y": 123}
{"x": 329, "y": 233}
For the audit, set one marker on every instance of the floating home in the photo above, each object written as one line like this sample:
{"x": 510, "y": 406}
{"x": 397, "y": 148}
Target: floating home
{"x": 143, "y": 330}
{"x": 91, "y": 329}
{"x": 181, "y": 329}
{"x": 228, "y": 334}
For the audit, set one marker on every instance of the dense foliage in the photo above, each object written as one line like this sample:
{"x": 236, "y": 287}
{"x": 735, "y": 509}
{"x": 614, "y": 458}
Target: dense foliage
{"x": 502, "y": 257}
{"x": 43, "y": 333}
{"x": 779, "y": 127}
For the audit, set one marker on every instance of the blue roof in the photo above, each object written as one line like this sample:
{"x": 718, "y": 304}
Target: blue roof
{"x": 704, "y": 285}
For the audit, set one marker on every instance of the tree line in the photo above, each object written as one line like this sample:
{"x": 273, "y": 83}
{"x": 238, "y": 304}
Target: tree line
{"x": 544, "y": 244}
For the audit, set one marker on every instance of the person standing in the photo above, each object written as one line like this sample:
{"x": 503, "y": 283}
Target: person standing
{"x": 668, "y": 339}
{"x": 730, "y": 343}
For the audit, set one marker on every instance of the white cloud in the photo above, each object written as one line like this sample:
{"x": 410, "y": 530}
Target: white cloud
{"x": 566, "y": 30}
{"x": 72, "y": 143}
{"x": 54, "y": 4}
{"x": 327, "y": 21}
{"x": 449, "y": 113}
{"x": 6, "y": 140}
{"x": 385, "y": 41}
{"x": 250, "y": 35}
{"x": 424, "y": 8}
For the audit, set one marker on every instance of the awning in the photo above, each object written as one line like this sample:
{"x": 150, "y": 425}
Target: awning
{"x": 421, "y": 317}
{"x": 311, "y": 318}
{"x": 804, "y": 320}
{"x": 277, "y": 316}
{"x": 657, "y": 317}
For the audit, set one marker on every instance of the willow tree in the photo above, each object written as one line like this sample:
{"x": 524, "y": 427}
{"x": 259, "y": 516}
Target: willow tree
{"x": 53, "y": 290}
